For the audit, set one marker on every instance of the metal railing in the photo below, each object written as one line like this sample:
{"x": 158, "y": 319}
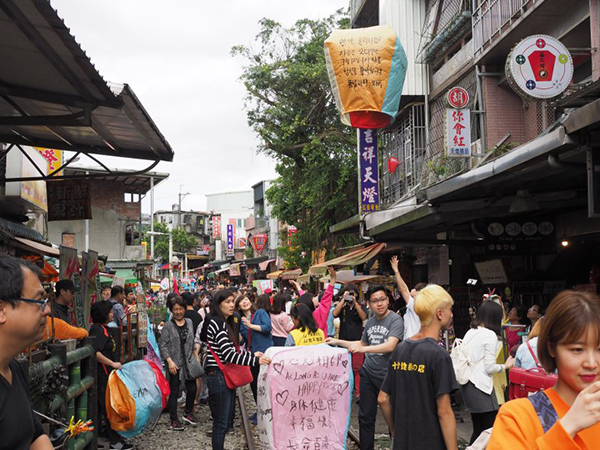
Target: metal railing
{"x": 406, "y": 142}
{"x": 491, "y": 17}
{"x": 446, "y": 21}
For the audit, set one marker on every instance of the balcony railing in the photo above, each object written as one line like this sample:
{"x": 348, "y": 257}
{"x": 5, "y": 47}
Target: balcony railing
{"x": 491, "y": 18}
{"x": 446, "y": 22}
{"x": 406, "y": 142}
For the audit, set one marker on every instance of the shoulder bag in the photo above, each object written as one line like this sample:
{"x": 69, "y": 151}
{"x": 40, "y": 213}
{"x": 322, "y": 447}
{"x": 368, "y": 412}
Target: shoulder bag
{"x": 525, "y": 382}
{"x": 235, "y": 375}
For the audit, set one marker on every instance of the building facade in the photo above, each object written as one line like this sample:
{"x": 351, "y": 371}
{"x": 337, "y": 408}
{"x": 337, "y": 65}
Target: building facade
{"x": 232, "y": 208}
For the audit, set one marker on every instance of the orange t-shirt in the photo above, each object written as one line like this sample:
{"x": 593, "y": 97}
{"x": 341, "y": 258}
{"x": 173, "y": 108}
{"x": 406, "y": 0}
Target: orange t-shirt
{"x": 517, "y": 427}
{"x": 62, "y": 330}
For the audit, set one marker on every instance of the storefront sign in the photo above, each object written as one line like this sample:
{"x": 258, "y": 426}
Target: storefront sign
{"x": 216, "y": 224}
{"x": 366, "y": 69}
{"x": 369, "y": 170}
{"x": 458, "y": 98}
{"x": 492, "y": 272}
{"x": 53, "y": 157}
{"x": 458, "y": 133}
{"x": 291, "y": 231}
{"x": 69, "y": 200}
{"x": 230, "y": 249}
{"x": 90, "y": 272}
{"x": 69, "y": 270}
{"x": 32, "y": 193}
{"x": 259, "y": 241}
{"x": 521, "y": 236}
{"x": 539, "y": 67}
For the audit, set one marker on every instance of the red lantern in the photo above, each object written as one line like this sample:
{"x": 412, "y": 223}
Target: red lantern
{"x": 259, "y": 241}
{"x": 392, "y": 164}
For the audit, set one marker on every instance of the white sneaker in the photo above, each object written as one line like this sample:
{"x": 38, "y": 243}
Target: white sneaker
{"x": 181, "y": 400}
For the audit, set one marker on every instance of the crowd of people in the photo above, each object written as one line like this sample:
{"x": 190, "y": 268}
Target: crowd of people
{"x": 401, "y": 356}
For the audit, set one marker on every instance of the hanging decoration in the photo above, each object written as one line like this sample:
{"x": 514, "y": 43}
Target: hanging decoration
{"x": 392, "y": 164}
{"x": 367, "y": 67}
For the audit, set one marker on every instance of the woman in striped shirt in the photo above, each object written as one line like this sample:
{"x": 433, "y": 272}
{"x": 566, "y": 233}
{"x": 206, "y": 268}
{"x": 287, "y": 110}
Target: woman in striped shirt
{"x": 218, "y": 332}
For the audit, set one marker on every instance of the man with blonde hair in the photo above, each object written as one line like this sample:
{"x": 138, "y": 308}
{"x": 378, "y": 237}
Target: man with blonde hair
{"x": 415, "y": 395}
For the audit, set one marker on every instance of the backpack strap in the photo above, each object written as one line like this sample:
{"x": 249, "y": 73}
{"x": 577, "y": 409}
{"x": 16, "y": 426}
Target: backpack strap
{"x": 537, "y": 361}
{"x": 544, "y": 410}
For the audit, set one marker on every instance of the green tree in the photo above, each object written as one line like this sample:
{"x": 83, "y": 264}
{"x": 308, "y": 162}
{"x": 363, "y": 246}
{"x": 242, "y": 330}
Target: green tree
{"x": 183, "y": 242}
{"x": 290, "y": 105}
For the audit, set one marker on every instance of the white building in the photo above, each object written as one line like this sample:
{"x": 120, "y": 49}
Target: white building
{"x": 233, "y": 207}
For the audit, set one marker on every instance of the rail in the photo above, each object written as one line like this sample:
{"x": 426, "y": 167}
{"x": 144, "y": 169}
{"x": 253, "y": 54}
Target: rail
{"x": 245, "y": 421}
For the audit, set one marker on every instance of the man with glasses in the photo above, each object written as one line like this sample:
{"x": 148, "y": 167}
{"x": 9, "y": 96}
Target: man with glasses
{"x": 383, "y": 331}
{"x": 65, "y": 294}
{"x": 22, "y": 322}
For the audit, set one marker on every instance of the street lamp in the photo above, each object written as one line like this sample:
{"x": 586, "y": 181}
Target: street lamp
{"x": 158, "y": 233}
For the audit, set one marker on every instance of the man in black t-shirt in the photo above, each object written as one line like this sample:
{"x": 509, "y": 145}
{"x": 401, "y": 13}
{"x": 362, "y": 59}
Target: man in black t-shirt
{"x": 351, "y": 315}
{"x": 190, "y": 312}
{"x": 415, "y": 395}
{"x": 22, "y": 322}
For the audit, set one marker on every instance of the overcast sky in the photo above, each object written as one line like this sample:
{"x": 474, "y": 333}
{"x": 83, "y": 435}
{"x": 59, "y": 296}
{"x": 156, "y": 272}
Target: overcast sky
{"x": 176, "y": 57}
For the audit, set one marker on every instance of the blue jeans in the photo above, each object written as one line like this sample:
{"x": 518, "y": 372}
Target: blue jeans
{"x": 221, "y": 400}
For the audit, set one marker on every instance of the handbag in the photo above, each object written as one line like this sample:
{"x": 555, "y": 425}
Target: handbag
{"x": 235, "y": 374}
{"x": 525, "y": 382}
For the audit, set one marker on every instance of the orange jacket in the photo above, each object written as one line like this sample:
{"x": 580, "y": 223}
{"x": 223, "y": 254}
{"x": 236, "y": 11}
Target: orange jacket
{"x": 62, "y": 330}
{"x": 518, "y": 427}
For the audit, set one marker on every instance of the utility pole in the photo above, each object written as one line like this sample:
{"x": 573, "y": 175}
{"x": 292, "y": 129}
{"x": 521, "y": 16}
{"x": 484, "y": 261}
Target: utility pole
{"x": 181, "y": 197}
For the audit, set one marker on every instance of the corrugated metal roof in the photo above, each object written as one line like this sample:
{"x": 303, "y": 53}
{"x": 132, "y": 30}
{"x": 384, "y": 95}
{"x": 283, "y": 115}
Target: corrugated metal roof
{"x": 53, "y": 96}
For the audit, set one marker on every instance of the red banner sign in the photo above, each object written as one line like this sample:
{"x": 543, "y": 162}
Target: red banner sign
{"x": 259, "y": 241}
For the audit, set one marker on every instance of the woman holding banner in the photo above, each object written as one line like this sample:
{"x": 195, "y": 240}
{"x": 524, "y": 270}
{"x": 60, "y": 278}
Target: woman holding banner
{"x": 223, "y": 343}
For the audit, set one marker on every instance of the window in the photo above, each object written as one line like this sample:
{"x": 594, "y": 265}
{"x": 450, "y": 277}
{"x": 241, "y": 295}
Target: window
{"x": 130, "y": 197}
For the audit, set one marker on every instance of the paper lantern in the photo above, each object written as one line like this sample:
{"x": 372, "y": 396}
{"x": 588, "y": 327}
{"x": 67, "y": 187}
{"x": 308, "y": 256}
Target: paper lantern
{"x": 392, "y": 164}
{"x": 366, "y": 69}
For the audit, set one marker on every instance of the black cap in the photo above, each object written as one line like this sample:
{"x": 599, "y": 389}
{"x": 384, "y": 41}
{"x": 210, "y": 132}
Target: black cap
{"x": 67, "y": 285}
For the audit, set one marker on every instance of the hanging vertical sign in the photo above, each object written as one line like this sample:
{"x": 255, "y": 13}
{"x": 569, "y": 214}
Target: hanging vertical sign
{"x": 216, "y": 224}
{"x": 458, "y": 133}
{"x": 230, "y": 251}
{"x": 368, "y": 170}
{"x": 90, "y": 271}
{"x": 291, "y": 231}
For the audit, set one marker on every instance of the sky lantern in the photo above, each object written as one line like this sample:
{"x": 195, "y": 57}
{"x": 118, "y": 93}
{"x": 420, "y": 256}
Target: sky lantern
{"x": 366, "y": 69}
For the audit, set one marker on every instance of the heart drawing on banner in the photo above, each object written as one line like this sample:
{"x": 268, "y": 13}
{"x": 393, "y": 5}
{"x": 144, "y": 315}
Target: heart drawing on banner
{"x": 342, "y": 387}
{"x": 282, "y": 397}
{"x": 278, "y": 367}
{"x": 345, "y": 363}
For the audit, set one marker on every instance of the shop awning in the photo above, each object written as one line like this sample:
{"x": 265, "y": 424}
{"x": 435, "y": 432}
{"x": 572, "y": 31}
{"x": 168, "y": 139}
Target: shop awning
{"x": 274, "y": 275}
{"x": 255, "y": 261}
{"x": 265, "y": 264}
{"x": 35, "y": 247}
{"x": 52, "y": 96}
{"x": 348, "y": 276}
{"x": 353, "y": 258}
{"x": 291, "y": 274}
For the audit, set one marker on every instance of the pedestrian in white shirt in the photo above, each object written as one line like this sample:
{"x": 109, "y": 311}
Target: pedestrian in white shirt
{"x": 483, "y": 344}
{"x": 412, "y": 323}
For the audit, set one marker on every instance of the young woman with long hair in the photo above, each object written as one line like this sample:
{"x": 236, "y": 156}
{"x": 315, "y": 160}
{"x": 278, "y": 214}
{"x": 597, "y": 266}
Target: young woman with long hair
{"x": 245, "y": 308}
{"x": 218, "y": 332}
{"x": 258, "y": 334}
{"x": 280, "y": 320}
{"x": 307, "y": 331}
{"x": 569, "y": 343}
{"x": 484, "y": 345}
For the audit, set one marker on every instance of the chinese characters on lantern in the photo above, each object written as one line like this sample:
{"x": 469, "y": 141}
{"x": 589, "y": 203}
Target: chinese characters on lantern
{"x": 458, "y": 133}
{"x": 369, "y": 170}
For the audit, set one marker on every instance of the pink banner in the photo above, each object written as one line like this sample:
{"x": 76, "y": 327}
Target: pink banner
{"x": 308, "y": 394}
